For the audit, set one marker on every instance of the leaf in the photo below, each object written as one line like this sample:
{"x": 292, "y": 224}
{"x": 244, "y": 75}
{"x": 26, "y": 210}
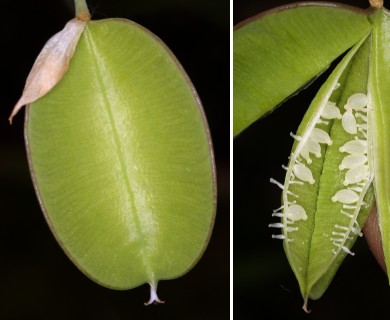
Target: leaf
{"x": 122, "y": 161}
{"x": 278, "y": 52}
{"x": 334, "y": 202}
{"x": 380, "y": 98}
{"x": 51, "y": 64}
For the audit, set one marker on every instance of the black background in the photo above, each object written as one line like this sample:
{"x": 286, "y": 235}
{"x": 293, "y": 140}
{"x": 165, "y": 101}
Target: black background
{"x": 264, "y": 284}
{"x": 37, "y": 280}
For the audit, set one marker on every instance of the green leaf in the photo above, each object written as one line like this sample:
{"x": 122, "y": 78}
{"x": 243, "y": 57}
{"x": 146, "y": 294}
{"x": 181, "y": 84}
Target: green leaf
{"x": 122, "y": 161}
{"x": 278, "y": 52}
{"x": 380, "y": 119}
{"x": 319, "y": 225}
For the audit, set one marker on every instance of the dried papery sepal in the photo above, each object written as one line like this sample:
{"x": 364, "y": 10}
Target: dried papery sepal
{"x": 51, "y": 64}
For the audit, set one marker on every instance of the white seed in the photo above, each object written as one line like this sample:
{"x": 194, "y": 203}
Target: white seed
{"x": 295, "y": 212}
{"x": 303, "y": 173}
{"x": 320, "y": 136}
{"x": 353, "y": 160}
{"x": 349, "y": 122}
{"x": 355, "y": 147}
{"x": 336, "y": 86}
{"x": 310, "y": 146}
{"x": 305, "y": 154}
{"x": 346, "y": 196}
{"x": 357, "y": 101}
{"x": 331, "y": 111}
{"x": 356, "y": 174}
{"x": 278, "y": 236}
{"x": 314, "y": 147}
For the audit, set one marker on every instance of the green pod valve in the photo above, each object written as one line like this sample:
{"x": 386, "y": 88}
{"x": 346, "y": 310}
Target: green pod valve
{"x": 120, "y": 153}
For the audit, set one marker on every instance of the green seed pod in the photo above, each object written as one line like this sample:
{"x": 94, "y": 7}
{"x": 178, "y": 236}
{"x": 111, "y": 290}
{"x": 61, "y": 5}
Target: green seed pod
{"x": 120, "y": 153}
{"x": 326, "y": 198}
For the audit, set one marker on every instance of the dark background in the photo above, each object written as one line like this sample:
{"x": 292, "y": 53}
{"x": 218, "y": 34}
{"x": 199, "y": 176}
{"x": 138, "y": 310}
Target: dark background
{"x": 37, "y": 280}
{"x": 264, "y": 284}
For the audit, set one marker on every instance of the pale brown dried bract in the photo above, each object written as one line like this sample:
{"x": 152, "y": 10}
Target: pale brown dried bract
{"x": 51, "y": 64}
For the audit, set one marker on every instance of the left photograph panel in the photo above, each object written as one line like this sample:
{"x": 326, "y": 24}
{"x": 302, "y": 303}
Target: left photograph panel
{"x": 115, "y": 160}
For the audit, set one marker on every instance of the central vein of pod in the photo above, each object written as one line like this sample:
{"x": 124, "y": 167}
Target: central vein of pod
{"x": 121, "y": 158}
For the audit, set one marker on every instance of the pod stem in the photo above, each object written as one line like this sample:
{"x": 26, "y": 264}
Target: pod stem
{"x": 378, "y": 4}
{"x": 82, "y": 12}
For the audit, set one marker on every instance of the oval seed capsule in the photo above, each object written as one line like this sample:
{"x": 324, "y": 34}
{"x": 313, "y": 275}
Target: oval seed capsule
{"x": 353, "y": 160}
{"x": 356, "y": 174}
{"x": 296, "y": 212}
{"x": 357, "y": 101}
{"x": 320, "y": 136}
{"x": 303, "y": 173}
{"x": 345, "y": 196}
{"x": 349, "y": 122}
{"x": 125, "y": 177}
{"x": 355, "y": 147}
{"x": 331, "y": 111}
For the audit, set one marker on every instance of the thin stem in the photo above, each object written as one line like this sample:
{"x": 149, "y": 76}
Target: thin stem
{"x": 376, "y": 4}
{"x": 82, "y": 12}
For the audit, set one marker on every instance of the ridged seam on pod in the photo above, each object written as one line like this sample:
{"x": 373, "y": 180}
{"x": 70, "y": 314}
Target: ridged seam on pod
{"x": 51, "y": 64}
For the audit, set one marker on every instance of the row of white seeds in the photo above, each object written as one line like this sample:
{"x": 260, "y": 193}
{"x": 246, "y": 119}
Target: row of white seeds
{"x": 356, "y": 164}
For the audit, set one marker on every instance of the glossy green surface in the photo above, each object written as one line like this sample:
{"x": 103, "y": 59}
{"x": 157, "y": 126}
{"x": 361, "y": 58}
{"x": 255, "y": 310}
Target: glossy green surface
{"x": 278, "y": 52}
{"x": 122, "y": 159}
{"x": 380, "y": 96}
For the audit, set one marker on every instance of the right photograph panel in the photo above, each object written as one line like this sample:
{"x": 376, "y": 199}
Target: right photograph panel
{"x": 311, "y": 158}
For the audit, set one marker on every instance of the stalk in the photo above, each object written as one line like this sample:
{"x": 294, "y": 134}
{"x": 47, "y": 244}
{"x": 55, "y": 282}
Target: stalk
{"x": 378, "y": 4}
{"x": 82, "y": 12}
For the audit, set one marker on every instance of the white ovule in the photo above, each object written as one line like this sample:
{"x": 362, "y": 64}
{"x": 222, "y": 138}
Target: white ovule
{"x": 303, "y": 173}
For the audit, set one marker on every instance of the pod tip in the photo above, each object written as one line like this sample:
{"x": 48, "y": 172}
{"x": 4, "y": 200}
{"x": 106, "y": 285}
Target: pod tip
{"x": 153, "y": 296}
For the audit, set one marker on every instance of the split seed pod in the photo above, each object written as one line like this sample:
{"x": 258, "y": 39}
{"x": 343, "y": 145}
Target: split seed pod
{"x": 282, "y": 51}
{"x": 120, "y": 153}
